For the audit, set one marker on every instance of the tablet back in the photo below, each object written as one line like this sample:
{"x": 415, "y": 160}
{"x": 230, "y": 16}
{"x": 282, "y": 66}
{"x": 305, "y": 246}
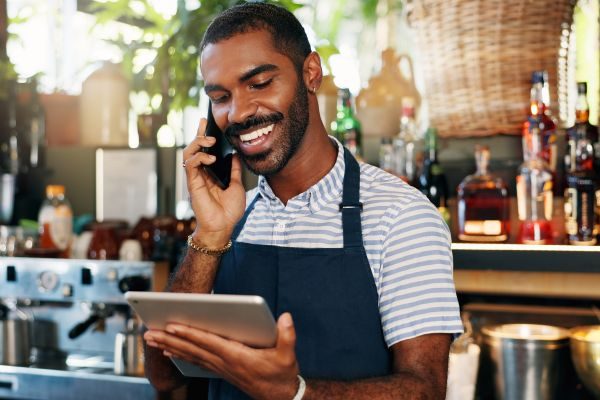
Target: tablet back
{"x": 246, "y": 319}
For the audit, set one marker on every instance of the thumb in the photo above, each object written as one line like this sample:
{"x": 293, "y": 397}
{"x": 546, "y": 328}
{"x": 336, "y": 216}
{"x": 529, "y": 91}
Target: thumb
{"x": 286, "y": 334}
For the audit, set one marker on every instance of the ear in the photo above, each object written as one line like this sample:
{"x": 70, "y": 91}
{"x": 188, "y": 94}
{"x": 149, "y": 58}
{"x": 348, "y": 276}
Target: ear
{"x": 312, "y": 72}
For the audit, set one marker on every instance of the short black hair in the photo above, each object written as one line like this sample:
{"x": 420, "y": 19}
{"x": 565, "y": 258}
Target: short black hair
{"x": 287, "y": 34}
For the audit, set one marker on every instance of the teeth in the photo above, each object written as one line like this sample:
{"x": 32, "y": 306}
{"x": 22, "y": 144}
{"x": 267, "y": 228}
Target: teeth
{"x": 256, "y": 134}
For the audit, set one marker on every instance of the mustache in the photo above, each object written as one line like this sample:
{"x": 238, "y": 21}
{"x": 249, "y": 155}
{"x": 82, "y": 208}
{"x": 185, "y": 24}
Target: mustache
{"x": 235, "y": 128}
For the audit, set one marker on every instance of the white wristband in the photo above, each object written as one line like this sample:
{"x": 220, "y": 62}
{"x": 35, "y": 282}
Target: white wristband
{"x": 301, "y": 388}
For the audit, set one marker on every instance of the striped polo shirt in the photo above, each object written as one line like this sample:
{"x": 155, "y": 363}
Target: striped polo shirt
{"x": 406, "y": 241}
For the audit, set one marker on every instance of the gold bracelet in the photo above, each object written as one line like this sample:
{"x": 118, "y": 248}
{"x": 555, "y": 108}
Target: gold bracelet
{"x": 206, "y": 250}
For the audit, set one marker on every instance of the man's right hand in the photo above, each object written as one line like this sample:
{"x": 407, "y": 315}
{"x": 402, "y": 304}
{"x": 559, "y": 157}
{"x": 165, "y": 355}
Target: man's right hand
{"x": 217, "y": 211}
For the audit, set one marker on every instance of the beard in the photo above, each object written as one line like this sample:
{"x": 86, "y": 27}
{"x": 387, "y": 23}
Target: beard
{"x": 286, "y": 145}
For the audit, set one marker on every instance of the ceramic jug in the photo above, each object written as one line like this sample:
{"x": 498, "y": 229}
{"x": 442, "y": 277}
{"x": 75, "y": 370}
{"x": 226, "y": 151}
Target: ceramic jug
{"x": 379, "y": 104}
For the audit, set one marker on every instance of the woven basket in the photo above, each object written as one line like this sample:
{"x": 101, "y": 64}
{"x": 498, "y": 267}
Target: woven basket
{"x": 477, "y": 57}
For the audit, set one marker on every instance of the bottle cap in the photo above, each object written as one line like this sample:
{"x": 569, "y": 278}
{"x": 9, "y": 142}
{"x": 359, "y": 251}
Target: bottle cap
{"x": 538, "y": 76}
{"x": 582, "y": 87}
{"x": 55, "y": 190}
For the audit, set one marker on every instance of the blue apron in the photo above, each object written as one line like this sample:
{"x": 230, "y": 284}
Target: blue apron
{"x": 330, "y": 293}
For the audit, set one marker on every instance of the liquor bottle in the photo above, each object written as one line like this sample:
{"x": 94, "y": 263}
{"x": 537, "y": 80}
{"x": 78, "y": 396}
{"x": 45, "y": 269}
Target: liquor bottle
{"x": 483, "y": 205}
{"x": 386, "y": 155}
{"x": 534, "y": 192}
{"x": 56, "y": 220}
{"x": 581, "y": 199}
{"x": 582, "y": 194}
{"x": 432, "y": 180}
{"x": 581, "y": 137}
{"x": 539, "y": 115}
{"x": 404, "y": 143}
{"x": 346, "y": 127}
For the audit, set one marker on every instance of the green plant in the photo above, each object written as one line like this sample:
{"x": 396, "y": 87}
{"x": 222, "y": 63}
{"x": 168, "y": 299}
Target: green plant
{"x": 173, "y": 71}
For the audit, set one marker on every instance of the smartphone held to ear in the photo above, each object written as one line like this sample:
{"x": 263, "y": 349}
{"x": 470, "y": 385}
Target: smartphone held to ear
{"x": 220, "y": 170}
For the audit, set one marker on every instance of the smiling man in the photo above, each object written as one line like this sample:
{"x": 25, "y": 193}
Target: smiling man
{"x": 355, "y": 264}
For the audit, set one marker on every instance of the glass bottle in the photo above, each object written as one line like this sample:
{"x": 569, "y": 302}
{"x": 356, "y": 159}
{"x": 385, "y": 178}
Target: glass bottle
{"x": 56, "y": 220}
{"x": 346, "y": 126}
{"x": 534, "y": 192}
{"x": 581, "y": 199}
{"x": 432, "y": 180}
{"x": 404, "y": 143}
{"x": 386, "y": 155}
{"x": 483, "y": 205}
{"x": 581, "y": 137}
{"x": 540, "y": 115}
{"x": 582, "y": 194}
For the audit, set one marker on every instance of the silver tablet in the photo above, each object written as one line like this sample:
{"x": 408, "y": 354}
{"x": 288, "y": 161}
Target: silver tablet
{"x": 246, "y": 319}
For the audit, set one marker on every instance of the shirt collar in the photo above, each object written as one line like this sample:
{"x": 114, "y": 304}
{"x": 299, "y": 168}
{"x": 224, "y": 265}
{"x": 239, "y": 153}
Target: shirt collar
{"x": 321, "y": 193}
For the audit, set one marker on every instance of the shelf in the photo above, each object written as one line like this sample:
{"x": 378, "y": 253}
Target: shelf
{"x": 526, "y": 258}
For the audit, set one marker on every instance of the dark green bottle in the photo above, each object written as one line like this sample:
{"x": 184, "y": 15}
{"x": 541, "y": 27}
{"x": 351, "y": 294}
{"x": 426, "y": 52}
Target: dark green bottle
{"x": 432, "y": 180}
{"x": 346, "y": 127}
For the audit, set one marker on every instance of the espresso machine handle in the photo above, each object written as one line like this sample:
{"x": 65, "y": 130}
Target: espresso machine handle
{"x": 137, "y": 283}
{"x": 81, "y": 327}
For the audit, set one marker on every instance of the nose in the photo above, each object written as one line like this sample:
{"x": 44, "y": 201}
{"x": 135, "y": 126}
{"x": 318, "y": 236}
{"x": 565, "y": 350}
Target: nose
{"x": 242, "y": 107}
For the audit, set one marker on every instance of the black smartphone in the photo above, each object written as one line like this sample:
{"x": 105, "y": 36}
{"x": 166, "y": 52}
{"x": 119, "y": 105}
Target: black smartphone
{"x": 220, "y": 170}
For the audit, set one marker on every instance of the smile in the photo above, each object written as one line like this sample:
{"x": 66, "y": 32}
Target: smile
{"x": 251, "y": 137}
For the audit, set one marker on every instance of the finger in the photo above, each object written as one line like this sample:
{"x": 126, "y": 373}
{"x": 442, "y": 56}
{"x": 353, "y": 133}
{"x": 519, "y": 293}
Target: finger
{"x": 185, "y": 349}
{"x": 212, "y": 343}
{"x": 236, "y": 169}
{"x": 286, "y": 337}
{"x": 197, "y": 160}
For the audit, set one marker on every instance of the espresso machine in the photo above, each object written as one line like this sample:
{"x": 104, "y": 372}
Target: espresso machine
{"x": 60, "y": 322}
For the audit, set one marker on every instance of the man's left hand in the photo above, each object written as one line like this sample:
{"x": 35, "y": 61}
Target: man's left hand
{"x": 261, "y": 373}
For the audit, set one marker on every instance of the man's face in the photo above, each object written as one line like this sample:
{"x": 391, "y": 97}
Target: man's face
{"x": 258, "y": 99}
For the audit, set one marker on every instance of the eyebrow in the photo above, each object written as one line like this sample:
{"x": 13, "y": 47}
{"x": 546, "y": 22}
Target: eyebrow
{"x": 245, "y": 77}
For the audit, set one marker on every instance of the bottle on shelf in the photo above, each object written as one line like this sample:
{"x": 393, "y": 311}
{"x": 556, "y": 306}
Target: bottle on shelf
{"x": 404, "y": 143}
{"x": 581, "y": 200}
{"x": 534, "y": 192}
{"x": 540, "y": 115}
{"x": 483, "y": 204}
{"x": 346, "y": 126}
{"x": 56, "y": 221}
{"x": 386, "y": 155}
{"x": 582, "y": 194}
{"x": 581, "y": 137}
{"x": 432, "y": 180}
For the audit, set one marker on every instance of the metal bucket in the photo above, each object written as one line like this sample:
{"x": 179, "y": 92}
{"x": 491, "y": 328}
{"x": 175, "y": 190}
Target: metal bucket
{"x": 528, "y": 361}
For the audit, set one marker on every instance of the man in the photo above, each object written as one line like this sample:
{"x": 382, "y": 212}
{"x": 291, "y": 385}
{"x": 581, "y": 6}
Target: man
{"x": 355, "y": 264}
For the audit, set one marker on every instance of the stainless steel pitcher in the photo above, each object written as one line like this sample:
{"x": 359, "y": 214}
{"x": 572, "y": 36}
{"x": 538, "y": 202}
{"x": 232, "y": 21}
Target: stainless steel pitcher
{"x": 129, "y": 352}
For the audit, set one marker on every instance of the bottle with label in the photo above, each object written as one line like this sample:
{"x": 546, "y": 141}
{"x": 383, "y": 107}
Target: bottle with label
{"x": 56, "y": 220}
{"x": 534, "y": 192}
{"x": 540, "y": 116}
{"x": 581, "y": 199}
{"x": 582, "y": 194}
{"x": 483, "y": 205}
{"x": 432, "y": 180}
{"x": 346, "y": 127}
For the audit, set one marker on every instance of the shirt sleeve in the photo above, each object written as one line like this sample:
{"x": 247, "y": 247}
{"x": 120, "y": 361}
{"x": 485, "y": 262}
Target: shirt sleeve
{"x": 417, "y": 293}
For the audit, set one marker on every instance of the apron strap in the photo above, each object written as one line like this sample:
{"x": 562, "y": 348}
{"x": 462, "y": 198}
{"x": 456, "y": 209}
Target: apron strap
{"x": 350, "y": 206}
{"x": 242, "y": 222}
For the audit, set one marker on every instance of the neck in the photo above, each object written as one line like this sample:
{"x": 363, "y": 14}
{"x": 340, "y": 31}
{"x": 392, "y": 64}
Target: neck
{"x": 315, "y": 157}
